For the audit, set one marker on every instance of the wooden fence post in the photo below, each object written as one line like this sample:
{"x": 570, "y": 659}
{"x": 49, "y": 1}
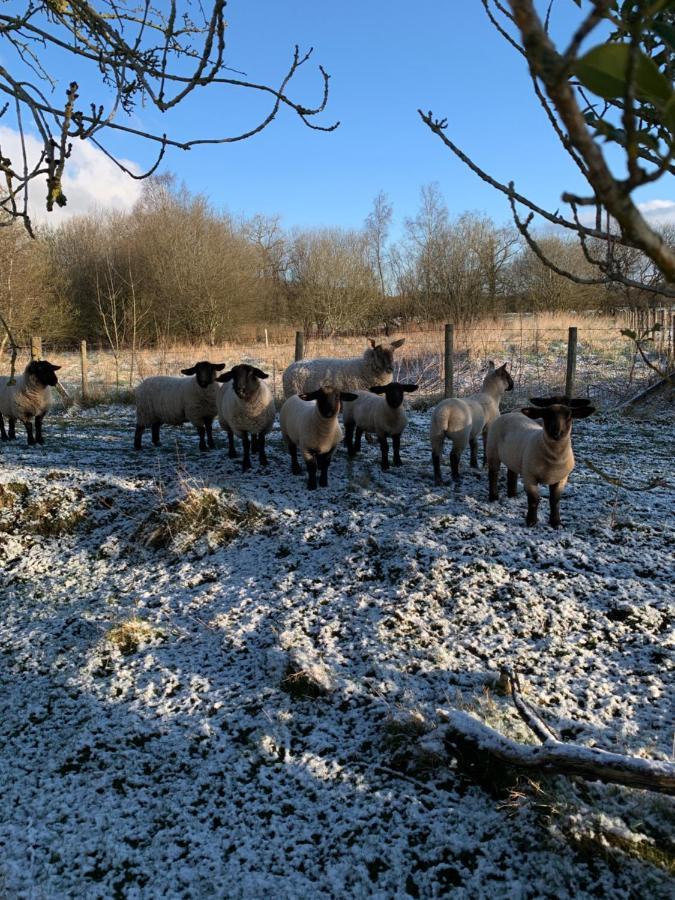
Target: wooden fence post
{"x": 84, "y": 370}
{"x": 449, "y": 386}
{"x": 571, "y": 361}
{"x": 299, "y": 345}
{"x": 36, "y": 347}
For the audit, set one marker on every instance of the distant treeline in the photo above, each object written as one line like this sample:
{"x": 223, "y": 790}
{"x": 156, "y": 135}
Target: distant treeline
{"x": 175, "y": 270}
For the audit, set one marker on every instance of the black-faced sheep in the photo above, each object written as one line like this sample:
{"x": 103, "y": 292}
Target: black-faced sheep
{"x": 27, "y": 399}
{"x": 539, "y": 454}
{"x": 246, "y": 407}
{"x": 165, "y": 400}
{"x": 381, "y": 415}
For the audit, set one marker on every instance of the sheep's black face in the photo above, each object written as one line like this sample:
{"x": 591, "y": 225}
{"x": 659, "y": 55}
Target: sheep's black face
{"x": 44, "y": 372}
{"x": 245, "y": 380}
{"x": 505, "y": 377}
{"x": 328, "y": 400}
{"x": 205, "y": 372}
{"x": 394, "y": 392}
{"x": 557, "y": 414}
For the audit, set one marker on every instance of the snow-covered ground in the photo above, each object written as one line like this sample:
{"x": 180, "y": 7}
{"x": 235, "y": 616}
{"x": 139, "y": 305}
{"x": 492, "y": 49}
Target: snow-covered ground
{"x": 238, "y": 712}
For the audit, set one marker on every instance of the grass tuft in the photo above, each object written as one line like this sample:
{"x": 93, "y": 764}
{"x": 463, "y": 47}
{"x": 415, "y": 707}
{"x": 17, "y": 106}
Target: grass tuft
{"x": 129, "y": 636}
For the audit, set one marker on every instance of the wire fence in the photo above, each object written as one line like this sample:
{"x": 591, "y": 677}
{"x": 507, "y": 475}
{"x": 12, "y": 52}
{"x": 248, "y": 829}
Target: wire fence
{"x": 608, "y": 367}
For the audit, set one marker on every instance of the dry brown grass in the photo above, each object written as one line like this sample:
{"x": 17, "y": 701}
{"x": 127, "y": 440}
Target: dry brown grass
{"x": 132, "y": 634}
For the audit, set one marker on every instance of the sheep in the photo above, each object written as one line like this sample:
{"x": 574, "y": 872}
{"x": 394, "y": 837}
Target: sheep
{"x": 376, "y": 366}
{"x": 461, "y": 420}
{"x": 28, "y": 398}
{"x": 309, "y": 422}
{"x": 541, "y": 455}
{"x": 245, "y": 406}
{"x": 166, "y": 400}
{"x": 380, "y": 415}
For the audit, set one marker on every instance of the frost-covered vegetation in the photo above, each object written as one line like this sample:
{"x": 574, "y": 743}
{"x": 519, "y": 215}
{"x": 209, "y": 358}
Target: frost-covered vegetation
{"x": 216, "y": 683}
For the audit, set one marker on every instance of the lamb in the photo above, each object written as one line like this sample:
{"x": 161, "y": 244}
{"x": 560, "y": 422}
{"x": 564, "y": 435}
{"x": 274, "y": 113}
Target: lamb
{"x": 376, "y": 366}
{"x": 462, "y": 420}
{"x": 382, "y": 415}
{"x": 541, "y": 455}
{"x": 28, "y": 398}
{"x": 246, "y": 406}
{"x": 165, "y": 400}
{"x": 309, "y": 422}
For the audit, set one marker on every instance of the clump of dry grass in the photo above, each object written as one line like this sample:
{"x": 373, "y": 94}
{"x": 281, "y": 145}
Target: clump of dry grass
{"x": 129, "y": 636}
{"x": 203, "y": 513}
{"x": 51, "y": 511}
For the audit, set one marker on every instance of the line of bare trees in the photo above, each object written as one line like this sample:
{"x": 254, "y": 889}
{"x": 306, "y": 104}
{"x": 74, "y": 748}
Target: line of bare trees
{"x": 174, "y": 269}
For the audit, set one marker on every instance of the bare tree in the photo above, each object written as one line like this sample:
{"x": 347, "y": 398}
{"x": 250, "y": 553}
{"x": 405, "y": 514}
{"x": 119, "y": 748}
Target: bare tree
{"x": 618, "y": 91}
{"x": 143, "y": 54}
{"x": 378, "y": 222}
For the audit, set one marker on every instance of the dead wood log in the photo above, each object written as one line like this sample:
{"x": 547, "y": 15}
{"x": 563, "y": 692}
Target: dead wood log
{"x": 466, "y": 737}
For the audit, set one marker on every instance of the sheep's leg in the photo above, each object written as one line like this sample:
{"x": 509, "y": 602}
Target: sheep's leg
{"x": 532, "y": 504}
{"x": 485, "y": 437}
{"x": 12, "y": 429}
{"x": 324, "y": 461}
{"x": 154, "y": 428}
{"x": 454, "y": 464}
{"x": 357, "y": 440}
{"x": 254, "y": 443}
{"x": 436, "y": 461}
{"x": 246, "y": 462}
{"x": 231, "y": 449}
{"x": 555, "y": 492}
{"x": 310, "y": 460}
{"x": 493, "y": 474}
{"x": 3, "y": 433}
{"x": 137, "y": 437}
{"x": 38, "y": 430}
{"x": 30, "y": 437}
{"x": 396, "y": 446}
{"x": 201, "y": 431}
{"x": 511, "y": 483}
{"x": 473, "y": 448}
{"x": 384, "y": 448}
{"x": 262, "y": 457}
{"x": 208, "y": 425}
{"x": 295, "y": 465}
{"x": 349, "y": 438}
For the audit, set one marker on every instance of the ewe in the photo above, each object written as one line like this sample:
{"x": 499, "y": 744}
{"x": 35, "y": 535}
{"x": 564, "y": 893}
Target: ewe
{"x": 245, "y": 407}
{"x": 541, "y": 455}
{"x": 382, "y": 415}
{"x": 30, "y": 397}
{"x": 165, "y": 400}
{"x": 358, "y": 373}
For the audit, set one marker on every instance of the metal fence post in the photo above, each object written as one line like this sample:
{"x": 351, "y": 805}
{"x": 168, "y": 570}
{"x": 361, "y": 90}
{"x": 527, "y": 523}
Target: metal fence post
{"x": 571, "y": 361}
{"x": 449, "y": 386}
{"x": 299, "y": 345}
{"x": 84, "y": 370}
{"x": 36, "y": 347}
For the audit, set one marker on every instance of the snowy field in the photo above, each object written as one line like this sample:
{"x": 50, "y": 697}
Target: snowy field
{"x": 216, "y": 685}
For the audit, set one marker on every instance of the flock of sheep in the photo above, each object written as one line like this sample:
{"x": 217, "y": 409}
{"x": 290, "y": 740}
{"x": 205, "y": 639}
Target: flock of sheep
{"x": 316, "y": 390}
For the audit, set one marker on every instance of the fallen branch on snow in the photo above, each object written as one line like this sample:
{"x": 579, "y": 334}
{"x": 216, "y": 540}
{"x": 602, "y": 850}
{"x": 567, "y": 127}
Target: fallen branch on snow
{"x": 467, "y": 738}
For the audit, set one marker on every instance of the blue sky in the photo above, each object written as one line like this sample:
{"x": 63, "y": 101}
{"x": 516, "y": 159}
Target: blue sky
{"x": 385, "y": 60}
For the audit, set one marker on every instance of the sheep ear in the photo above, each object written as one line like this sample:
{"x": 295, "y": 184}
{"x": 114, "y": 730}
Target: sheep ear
{"x": 259, "y": 373}
{"x": 348, "y": 396}
{"x": 54, "y": 368}
{"x": 491, "y": 365}
{"x": 372, "y": 343}
{"x": 396, "y": 344}
{"x": 378, "y": 389}
{"x": 191, "y": 371}
{"x": 311, "y": 396}
{"x": 581, "y": 412}
{"x": 226, "y": 376}
{"x": 409, "y": 388}
{"x": 582, "y": 401}
{"x": 547, "y": 401}
{"x": 218, "y": 366}
{"x": 532, "y": 413}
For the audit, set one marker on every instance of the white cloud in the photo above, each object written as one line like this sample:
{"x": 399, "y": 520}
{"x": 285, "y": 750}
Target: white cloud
{"x": 658, "y": 212}
{"x": 91, "y": 181}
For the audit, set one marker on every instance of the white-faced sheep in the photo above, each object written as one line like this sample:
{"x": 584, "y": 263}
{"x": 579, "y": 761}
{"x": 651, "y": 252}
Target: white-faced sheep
{"x": 246, "y": 407}
{"x": 358, "y": 373}
{"x": 540, "y": 455}
{"x": 309, "y": 422}
{"x": 165, "y": 400}
{"x": 462, "y": 420}
{"x": 28, "y": 399}
{"x": 381, "y": 415}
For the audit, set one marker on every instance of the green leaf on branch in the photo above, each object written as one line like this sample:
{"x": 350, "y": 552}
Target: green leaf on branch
{"x": 603, "y": 70}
